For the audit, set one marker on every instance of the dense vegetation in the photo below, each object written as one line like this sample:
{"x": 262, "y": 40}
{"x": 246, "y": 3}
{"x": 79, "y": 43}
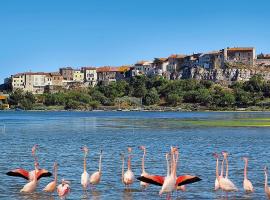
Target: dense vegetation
{"x": 155, "y": 91}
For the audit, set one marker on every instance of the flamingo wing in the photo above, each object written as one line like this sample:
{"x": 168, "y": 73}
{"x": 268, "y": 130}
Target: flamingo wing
{"x": 43, "y": 173}
{"x": 152, "y": 179}
{"x": 19, "y": 173}
{"x": 187, "y": 179}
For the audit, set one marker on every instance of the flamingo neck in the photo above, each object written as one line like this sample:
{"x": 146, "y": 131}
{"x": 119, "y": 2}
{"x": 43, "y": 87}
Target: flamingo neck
{"x": 266, "y": 181}
{"x": 143, "y": 169}
{"x": 245, "y": 169}
{"x": 227, "y": 167}
{"x": 129, "y": 162}
{"x": 175, "y": 166}
{"x": 84, "y": 164}
{"x": 217, "y": 176}
{"x": 168, "y": 166}
{"x": 123, "y": 166}
{"x": 99, "y": 167}
{"x": 55, "y": 174}
{"x": 222, "y": 168}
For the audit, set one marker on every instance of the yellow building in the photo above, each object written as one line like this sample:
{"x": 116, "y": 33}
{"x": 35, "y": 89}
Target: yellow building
{"x": 3, "y": 102}
{"x": 78, "y": 75}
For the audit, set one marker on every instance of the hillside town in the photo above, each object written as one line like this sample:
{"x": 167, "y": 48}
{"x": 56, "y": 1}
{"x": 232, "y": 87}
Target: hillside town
{"x": 176, "y": 66}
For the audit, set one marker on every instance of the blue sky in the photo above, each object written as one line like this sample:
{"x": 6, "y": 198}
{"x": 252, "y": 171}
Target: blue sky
{"x": 45, "y": 35}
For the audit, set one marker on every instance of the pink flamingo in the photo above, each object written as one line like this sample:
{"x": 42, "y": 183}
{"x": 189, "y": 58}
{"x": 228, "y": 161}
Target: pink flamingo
{"x": 247, "y": 185}
{"x": 143, "y": 184}
{"x": 32, "y": 185}
{"x": 266, "y": 188}
{"x": 85, "y": 175}
{"x": 63, "y": 189}
{"x": 180, "y": 180}
{"x": 52, "y": 185}
{"x": 30, "y": 175}
{"x": 225, "y": 183}
{"x": 128, "y": 176}
{"x": 217, "y": 174}
{"x": 96, "y": 177}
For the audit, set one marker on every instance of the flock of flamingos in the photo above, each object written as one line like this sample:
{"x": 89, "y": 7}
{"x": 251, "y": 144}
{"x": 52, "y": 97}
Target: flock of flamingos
{"x": 169, "y": 183}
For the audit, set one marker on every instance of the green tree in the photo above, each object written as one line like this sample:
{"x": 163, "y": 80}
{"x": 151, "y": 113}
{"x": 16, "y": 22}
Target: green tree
{"x": 173, "y": 99}
{"x": 151, "y": 97}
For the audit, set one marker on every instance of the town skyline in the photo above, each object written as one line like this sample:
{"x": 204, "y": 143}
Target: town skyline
{"x": 40, "y": 36}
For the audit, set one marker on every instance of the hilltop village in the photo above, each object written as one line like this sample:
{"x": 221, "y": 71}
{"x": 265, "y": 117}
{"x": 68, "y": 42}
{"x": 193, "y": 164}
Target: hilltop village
{"x": 223, "y": 66}
{"x": 230, "y": 78}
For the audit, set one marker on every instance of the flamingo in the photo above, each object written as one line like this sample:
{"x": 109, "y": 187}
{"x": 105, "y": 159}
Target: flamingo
{"x": 266, "y": 187}
{"x": 247, "y": 185}
{"x": 30, "y": 175}
{"x": 143, "y": 184}
{"x": 85, "y": 175}
{"x": 52, "y": 185}
{"x": 225, "y": 183}
{"x": 170, "y": 180}
{"x": 159, "y": 180}
{"x": 63, "y": 189}
{"x": 128, "y": 176}
{"x": 32, "y": 185}
{"x": 96, "y": 177}
{"x": 217, "y": 175}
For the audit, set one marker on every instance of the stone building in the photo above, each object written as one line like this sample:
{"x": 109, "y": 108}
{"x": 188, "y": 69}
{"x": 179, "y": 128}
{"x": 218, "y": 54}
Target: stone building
{"x": 244, "y": 55}
{"x": 67, "y": 73}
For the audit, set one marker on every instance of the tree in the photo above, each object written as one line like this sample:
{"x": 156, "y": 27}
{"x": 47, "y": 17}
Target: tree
{"x": 152, "y": 97}
{"x": 173, "y": 99}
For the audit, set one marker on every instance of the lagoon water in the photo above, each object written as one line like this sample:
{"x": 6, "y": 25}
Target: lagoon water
{"x": 60, "y": 136}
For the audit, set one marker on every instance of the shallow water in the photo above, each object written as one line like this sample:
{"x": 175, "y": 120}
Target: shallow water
{"x": 62, "y": 134}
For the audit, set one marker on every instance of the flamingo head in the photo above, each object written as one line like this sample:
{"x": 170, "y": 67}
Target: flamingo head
{"x": 215, "y": 155}
{"x": 55, "y": 165}
{"x": 265, "y": 168}
{"x": 142, "y": 148}
{"x": 34, "y": 148}
{"x": 65, "y": 182}
{"x": 225, "y": 154}
{"x": 85, "y": 150}
{"x": 129, "y": 149}
{"x": 245, "y": 159}
{"x": 122, "y": 156}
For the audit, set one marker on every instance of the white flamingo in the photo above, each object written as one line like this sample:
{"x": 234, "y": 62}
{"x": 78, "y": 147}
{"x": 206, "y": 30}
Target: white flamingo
{"x": 217, "y": 173}
{"x": 85, "y": 175}
{"x": 225, "y": 183}
{"x": 52, "y": 185}
{"x": 266, "y": 188}
{"x": 247, "y": 185}
{"x": 96, "y": 177}
{"x": 128, "y": 176}
{"x": 143, "y": 184}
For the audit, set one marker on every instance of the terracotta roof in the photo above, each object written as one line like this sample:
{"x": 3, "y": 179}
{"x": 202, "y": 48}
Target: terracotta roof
{"x": 240, "y": 49}
{"x": 88, "y": 68}
{"x": 107, "y": 69}
{"x": 177, "y": 56}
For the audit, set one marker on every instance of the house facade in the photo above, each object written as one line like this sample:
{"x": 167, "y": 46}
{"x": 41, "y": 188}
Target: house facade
{"x": 90, "y": 75}
{"x": 78, "y": 75}
{"x": 245, "y": 55}
{"x": 67, "y": 73}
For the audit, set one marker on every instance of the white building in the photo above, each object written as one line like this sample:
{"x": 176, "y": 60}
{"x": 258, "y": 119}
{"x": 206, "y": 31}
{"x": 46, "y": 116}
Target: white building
{"x": 90, "y": 75}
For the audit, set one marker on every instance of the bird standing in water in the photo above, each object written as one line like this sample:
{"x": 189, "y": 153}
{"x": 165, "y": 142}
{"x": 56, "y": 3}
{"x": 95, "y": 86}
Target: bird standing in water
{"x": 52, "y": 185}
{"x": 143, "y": 184}
{"x": 85, "y": 175}
{"x": 128, "y": 176}
{"x": 63, "y": 189}
{"x": 96, "y": 177}
{"x": 247, "y": 185}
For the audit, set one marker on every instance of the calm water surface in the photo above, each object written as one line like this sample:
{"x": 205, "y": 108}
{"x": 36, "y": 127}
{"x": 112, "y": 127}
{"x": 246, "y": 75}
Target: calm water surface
{"x": 61, "y": 135}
